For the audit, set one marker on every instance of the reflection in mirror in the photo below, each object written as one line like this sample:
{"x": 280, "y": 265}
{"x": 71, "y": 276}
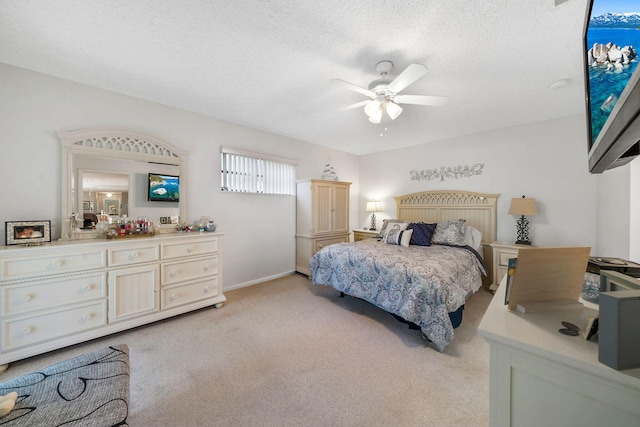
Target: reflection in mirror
{"x": 106, "y": 171}
{"x": 102, "y": 193}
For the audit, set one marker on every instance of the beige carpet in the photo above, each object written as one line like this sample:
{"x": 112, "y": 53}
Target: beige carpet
{"x": 286, "y": 353}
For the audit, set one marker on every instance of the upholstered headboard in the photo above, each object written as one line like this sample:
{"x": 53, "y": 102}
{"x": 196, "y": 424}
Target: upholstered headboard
{"x": 478, "y": 209}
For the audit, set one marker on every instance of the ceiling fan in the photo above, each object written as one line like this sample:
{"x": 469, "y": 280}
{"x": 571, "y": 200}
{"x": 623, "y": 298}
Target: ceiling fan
{"x": 385, "y": 92}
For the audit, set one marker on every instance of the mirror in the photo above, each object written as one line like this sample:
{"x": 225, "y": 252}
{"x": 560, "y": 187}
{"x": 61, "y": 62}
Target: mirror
{"x": 106, "y": 171}
{"x": 102, "y": 193}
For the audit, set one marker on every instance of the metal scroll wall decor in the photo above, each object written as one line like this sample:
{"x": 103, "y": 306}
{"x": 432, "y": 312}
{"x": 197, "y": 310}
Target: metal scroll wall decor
{"x": 454, "y": 172}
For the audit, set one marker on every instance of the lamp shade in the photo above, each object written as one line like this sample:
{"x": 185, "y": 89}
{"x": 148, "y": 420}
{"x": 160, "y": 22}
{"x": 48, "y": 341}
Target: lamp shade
{"x": 376, "y": 118}
{"x": 373, "y": 107}
{"x": 374, "y": 206}
{"x": 393, "y": 110}
{"x": 523, "y": 206}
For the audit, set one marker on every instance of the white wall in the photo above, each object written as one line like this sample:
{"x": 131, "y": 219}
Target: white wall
{"x": 618, "y": 208}
{"x": 260, "y": 230}
{"x": 546, "y": 161}
{"x": 634, "y": 211}
{"x": 613, "y": 207}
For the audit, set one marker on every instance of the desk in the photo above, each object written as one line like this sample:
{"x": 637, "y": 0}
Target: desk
{"x": 539, "y": 377}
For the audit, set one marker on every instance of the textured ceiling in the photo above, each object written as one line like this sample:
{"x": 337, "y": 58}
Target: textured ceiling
{"x": 267, "y": 64}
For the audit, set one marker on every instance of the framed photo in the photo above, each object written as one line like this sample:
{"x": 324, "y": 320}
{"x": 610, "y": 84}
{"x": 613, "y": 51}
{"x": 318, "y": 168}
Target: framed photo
{"x": 87, "y": 205}
{"x": 27, "y": 232}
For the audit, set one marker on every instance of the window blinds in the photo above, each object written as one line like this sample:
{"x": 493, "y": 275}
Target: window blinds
{"x": 250, "y": 172}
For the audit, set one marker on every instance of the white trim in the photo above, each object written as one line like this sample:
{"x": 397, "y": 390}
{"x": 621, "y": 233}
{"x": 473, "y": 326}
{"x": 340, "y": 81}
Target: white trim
{"x": 257, "y": 281}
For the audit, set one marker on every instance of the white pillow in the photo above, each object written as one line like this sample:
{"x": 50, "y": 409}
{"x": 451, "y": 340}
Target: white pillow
{"x": 397, "y": 233}
{"x": 405, "y": 240}
{"x": 473, "y": 238}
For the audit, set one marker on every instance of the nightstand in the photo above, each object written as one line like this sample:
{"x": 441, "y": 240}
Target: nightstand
{"x": 364, "y": 234}
{"x": 502, "y": 251}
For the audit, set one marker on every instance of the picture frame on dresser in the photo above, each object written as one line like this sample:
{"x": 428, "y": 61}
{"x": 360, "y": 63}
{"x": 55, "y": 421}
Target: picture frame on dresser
{"x": 27, "y": 232}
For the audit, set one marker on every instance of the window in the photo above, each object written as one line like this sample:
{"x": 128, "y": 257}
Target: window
{"x": 249, "y": 172}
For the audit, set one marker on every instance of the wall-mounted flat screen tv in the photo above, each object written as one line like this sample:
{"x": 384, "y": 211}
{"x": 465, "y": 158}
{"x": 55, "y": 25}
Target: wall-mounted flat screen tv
{"x": 163, "y": 188}
{"x": 611, "y": 37}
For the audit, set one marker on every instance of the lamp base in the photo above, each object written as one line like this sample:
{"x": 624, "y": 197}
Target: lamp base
{"x": 523, "y": 231}
{"x": 373, "y": 222}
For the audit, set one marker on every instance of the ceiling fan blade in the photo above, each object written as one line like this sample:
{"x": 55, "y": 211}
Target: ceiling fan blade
{"x": 353, "y": 87}
{"x": 356, "y": 105}
{"x": 410, "y": 74}
{"x": 435, "y": 101}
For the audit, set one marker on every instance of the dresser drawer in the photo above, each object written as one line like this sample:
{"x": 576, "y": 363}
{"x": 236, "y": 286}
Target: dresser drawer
{"x": 504, "y": 257}
{"x": 16, "y": 268}
{"x": 46, "y": 294}
{"x": 181, "y": 271}
{"x": 195, "y": 247}
{"x": 360, "y": 235}
{"x": 321, "y": 243}
{"x": 179, "y": 295}
{"x": 19, "y": 332}
{"x": 133, "y": 255}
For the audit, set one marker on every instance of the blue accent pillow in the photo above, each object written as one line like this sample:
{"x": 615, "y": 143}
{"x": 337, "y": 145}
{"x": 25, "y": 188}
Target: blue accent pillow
{"x": 422, "y": 233}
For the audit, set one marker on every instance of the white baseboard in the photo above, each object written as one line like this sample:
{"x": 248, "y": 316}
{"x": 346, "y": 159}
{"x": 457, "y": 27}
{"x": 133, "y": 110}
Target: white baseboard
{"x": 255, "y": 282}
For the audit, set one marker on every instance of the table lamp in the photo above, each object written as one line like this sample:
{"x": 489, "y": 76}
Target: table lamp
{"x": 374, "y": 206}
{"x": 523, "y": 206}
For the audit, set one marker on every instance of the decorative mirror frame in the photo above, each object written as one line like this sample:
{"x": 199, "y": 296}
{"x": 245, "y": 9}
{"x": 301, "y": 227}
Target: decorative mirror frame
{"x": 115, "y": 144}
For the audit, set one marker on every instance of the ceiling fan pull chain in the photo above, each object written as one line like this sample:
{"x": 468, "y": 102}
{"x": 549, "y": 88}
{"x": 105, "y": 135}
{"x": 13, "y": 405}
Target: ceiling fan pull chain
{"x": 383, "y": 128}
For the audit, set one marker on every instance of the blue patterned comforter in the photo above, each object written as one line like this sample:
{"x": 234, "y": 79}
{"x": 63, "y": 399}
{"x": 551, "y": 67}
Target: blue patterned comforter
{"x": 421, "y": 284}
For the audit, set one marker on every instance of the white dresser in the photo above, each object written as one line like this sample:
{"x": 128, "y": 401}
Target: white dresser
{"x": 539, "y": 377}
{"x": 63, "y": 293}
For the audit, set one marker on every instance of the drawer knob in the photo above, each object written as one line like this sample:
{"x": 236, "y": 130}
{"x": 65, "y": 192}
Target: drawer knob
{"x": 173, "y": 297}
{"x": 87, "y": 316}
{"x": 135, "y": 255}
{"x": 87, "y": 287}
{"x": 57, "y": 264}
{"x": 208, "y": 267}
{"x": 207, "y": 289}
{"x": 174, "y": 273}
{"x": 26, "y": 298}
{"x": 27, "y": 330}
{"x": 156, "y": 289}
{"x": 190, "y": 249}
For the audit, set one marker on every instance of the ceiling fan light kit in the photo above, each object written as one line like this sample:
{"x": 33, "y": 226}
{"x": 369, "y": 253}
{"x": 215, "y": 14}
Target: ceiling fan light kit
{"x": 384, "y": 92}
{"x": 393, "y": 110}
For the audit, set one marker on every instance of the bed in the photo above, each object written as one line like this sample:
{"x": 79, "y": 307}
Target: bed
{"x": 423, "y": 285}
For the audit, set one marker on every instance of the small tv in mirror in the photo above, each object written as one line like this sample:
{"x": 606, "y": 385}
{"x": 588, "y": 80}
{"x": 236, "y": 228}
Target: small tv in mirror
{"x": 163, "y": 188}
